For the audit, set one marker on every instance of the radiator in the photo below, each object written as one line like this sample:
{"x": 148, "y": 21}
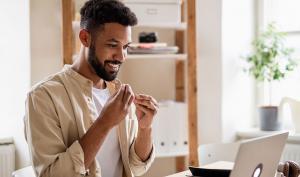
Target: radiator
{"x": 291, "y": 152}
{"x": 7, "y": 159}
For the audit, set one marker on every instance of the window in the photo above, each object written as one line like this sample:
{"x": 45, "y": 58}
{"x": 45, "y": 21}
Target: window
{"x": 286, "y": 15}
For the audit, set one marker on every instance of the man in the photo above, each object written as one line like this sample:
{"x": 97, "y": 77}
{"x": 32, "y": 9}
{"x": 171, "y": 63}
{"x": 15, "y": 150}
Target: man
{"x": 82, "y": 121}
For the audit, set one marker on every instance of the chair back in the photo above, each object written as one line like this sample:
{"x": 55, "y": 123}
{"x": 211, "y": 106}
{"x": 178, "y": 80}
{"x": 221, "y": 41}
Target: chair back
{"x": 209, "y": 153}
{"x": 294, "y": 106}
{"x": 24, "y": 172}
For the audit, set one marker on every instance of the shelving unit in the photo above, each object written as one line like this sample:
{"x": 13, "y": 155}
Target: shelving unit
{"x": 185, "y": 77}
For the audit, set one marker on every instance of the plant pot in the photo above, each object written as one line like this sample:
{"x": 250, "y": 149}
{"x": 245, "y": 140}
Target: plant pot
{"x": 268, "y": 118}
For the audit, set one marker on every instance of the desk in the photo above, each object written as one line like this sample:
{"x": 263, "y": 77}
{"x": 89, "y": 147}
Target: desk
{"x": 216, "y": 165}
{"x": 181, "y": 174}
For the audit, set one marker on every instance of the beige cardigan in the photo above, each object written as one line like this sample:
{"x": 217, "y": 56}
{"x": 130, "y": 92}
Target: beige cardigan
{"x": 59, "y": 110}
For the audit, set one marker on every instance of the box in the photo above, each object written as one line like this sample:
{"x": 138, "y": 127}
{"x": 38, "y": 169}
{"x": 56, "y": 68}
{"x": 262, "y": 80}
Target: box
{"x": 170, "y": 129}
{"x": 156, "y": 11}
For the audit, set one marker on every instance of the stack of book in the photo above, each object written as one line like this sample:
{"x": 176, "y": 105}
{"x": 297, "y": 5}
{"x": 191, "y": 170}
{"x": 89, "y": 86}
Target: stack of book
{"x": 151, "y": 48}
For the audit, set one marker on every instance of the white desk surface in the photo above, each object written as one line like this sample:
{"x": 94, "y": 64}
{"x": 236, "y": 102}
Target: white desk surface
{"x": 216, "y": 165}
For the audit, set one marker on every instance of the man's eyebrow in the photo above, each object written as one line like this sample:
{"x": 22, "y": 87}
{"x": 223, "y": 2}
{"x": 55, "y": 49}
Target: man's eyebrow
{"x": 114, "y": 40}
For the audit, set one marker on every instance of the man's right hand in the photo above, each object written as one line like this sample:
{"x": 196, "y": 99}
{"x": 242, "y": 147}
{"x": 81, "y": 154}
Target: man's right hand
{"x": 117, "y": 106}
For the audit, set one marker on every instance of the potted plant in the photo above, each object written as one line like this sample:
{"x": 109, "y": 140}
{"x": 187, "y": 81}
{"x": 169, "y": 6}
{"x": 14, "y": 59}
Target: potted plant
{"x": 270, "y": 61}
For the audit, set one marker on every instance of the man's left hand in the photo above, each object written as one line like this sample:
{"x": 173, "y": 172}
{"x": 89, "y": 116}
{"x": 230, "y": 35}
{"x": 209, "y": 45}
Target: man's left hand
{"x": 146, "y": 109}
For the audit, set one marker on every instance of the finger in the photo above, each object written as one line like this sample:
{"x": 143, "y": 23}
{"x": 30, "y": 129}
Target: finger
{"x": 128, "y": 94}
{"x": 147, "y": 97}
{"x": 144, "y": 109}
{"x": 131, "y": 97}
{"x": 130, "y": 100}
{"x": 121, "y": 92}
{"x": 154, "y": 101}
{"x": 146, "y": 103}
{"x": 153, "y": 108}
{"x": 143, "y": 96}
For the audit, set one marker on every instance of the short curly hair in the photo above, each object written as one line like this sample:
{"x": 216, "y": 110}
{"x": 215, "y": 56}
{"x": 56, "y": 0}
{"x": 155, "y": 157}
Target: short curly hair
{"x": 95, "y": 13}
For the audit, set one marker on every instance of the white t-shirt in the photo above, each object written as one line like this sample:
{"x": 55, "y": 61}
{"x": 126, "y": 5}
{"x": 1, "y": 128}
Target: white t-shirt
{"x": 109, "y": 155}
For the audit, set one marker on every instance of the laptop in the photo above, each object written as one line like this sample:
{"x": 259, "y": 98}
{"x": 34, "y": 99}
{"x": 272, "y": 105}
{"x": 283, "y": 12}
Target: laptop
{"x": 258, "y": 157}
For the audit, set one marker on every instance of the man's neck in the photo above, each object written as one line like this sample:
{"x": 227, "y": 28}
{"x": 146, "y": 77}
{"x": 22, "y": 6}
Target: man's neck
{"x": 82, "y": 67}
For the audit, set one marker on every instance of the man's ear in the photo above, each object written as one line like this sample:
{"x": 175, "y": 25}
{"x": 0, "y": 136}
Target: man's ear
{"x": 85, "y": 37}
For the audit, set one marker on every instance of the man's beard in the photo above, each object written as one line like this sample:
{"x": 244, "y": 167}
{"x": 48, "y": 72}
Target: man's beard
{"x": 100, "y": 68}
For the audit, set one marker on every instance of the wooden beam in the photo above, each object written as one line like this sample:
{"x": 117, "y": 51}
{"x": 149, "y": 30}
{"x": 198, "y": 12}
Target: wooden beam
{"x": 180, "y": 81}
{"x": 192, "y": 82}
{"x": 180, "y": 96}
{"x": 67, "y": 32}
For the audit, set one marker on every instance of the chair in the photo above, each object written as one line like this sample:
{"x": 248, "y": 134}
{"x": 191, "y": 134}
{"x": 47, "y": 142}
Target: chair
{"x": 294, "y": 108}
{"x": 24, "y": 172}
{"x": 209, "y": 153}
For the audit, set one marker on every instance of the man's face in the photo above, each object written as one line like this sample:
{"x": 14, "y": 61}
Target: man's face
{"x": 108, "y": 50}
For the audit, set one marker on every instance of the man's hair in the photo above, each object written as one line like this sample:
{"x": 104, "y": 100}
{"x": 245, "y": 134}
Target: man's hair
{"x": 95, "y": 13}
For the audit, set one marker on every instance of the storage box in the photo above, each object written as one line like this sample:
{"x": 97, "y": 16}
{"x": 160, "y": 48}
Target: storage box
{"x": 156, "y": 11}
{"x": 170, "y": 129}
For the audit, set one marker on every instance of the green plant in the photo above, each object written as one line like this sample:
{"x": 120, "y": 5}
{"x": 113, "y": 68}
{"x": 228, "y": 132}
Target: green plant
{"x": 271, "y": 60}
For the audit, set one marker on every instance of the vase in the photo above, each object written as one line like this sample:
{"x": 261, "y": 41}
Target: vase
{"x": 268, "y": 118}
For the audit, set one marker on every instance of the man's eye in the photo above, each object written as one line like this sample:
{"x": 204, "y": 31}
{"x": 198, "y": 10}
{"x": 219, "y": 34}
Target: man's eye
{"x": 112, "y": 45}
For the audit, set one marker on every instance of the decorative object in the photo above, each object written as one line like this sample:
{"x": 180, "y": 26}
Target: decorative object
{"x": 289, "y": 168}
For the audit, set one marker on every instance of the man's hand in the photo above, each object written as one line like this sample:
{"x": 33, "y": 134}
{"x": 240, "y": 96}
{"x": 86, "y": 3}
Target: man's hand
{"x": 146, "y": 108}
{"x": 113, "y": 112}
{"x": 117, "y": 106}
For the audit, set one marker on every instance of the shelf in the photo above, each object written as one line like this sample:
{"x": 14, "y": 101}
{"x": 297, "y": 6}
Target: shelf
{"x": 177, "y": 26}
{"x": 151, "y": 56}
{"x": 255, "y": 132}
{"x": 157, "y": 56}
{"x": 6, "y": 140}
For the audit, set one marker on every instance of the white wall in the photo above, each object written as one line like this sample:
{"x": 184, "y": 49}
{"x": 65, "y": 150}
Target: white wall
{"x": 209, "y": 71}
{"x": 30, "y": 50}
{"x": 225, "y": 104}
{"x": 45, "y": 37}
{"x": 238, "y": 30}
{"x": 14, "y": 72}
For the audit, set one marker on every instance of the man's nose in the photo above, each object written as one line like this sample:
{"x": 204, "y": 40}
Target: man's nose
{"x": 121, "y": 55}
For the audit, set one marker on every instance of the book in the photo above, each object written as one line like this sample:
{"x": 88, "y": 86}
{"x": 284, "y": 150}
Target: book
{"x": 153, "y": 50}
{"x": 148, "y": 45}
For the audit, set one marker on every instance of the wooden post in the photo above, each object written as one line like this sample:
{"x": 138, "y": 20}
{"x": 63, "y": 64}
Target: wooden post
{"x": 180, "y": 81}
{"x": 67, "y": 32}
{"x": 192, "y": 82}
